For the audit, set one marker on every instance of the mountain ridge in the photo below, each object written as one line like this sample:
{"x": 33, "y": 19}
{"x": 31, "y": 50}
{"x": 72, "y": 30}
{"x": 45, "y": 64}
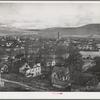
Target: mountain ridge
{"x": 89, "y": 29}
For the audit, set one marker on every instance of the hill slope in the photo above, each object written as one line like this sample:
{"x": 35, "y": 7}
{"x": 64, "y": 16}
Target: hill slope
{"x": 10, "y": 30}
{"x": 87, "y": 30}
{"x": 92, "y": 30}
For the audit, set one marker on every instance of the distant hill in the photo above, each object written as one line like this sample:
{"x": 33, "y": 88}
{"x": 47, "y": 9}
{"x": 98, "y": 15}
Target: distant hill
{"x": 5, "y": 30}
{"x": 9, "y": 30}
{"x": 87, "y": 30}
{"x": 90, "y": 30}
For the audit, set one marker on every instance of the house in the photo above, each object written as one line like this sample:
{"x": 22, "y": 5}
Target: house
{"x": 8, "y": 44}
{"x": 97, "y": 88}
{"x": 88, "y": 65}
{"x": 92, "y": 54}
{"x": 60, "y": 77}
{"x": 24, "y": 68}
{"x": 5, "y": 58}
{"x": 48, "y": 63}
{"x": 4, "y": 67}
{"x": 65, "y": 56}
{"x": 92, "y": 84}
{"x": 88, "y": 83}
{"x": 34, "y": 71}
{"x": 53, "y": 62}
{"x": 98, "y": 46}
{"x": 19, "y": 56}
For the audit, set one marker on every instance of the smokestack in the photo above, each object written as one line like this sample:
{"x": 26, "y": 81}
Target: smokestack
{"x": 58, "y": 35}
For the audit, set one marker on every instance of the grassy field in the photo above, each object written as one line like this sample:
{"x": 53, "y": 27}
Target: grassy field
{"x": 32, "y": 81}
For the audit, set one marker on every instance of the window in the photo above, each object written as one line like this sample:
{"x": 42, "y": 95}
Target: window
{"x": 54, "y": 75}
{"x": 32, "y": 70}
{"x": 32, "y": 74}
{"x": 63, "y": 78}
{"x": 26, "y": 65}
{"x": 38, "y": 68}
{"x": 38, "y": 73}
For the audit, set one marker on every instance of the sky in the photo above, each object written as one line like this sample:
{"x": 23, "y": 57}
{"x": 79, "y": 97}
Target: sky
{"x": 46, "y": 15}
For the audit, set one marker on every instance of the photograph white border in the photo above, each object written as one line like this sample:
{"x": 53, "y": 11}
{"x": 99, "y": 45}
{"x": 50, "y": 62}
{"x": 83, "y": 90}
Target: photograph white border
{"x": 49, "y": 95}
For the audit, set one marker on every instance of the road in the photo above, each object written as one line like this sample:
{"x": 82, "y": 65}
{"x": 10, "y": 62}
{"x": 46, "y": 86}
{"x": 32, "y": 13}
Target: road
{"x": 24, "y": 85}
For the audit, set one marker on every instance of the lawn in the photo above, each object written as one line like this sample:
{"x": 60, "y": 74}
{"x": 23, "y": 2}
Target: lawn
{"x": 31, "y": 81}
{"x": 34, "y": 82}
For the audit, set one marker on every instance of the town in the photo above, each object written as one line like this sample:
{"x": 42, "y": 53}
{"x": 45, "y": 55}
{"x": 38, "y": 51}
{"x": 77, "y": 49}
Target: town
{"x": 32, "y": 60}
{"x": 36, "y": 63}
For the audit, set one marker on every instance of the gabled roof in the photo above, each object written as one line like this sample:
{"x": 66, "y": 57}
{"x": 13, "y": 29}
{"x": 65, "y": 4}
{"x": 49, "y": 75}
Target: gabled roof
{"x": 66, "y": 55}
{"x": 4, "y": 63}
{"x": 60, "y": 71}
{"x": 33, "y": 65}
{"x": 19, "y": 63}
{"x": 92, "y": 82}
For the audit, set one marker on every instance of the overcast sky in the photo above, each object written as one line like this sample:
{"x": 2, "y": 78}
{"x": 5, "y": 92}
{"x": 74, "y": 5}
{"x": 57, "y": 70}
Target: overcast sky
{"x": 44, "y": 15}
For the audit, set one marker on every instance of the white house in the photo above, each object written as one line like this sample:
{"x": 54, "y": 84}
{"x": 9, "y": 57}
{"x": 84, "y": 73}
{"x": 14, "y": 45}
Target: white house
{"x": 53, "y": 63}
{"x": 4, "y": 67}
{"x": 91, "y": 54}
{"x": 60, "y": 77}
{"x": 35, "y": 71}
{"x": 8, "y": 44}
{"x": 24, "y": 68}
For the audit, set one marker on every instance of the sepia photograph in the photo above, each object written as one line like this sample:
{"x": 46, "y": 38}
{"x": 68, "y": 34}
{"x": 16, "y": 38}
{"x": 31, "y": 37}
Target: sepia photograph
{"x": 50, "y": 47}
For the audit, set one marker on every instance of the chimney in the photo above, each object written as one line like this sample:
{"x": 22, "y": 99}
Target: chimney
{"x": 58, "y": 35}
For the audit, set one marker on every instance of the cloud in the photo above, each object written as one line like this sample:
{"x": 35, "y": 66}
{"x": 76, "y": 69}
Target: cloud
{"x": 43, "y": 15}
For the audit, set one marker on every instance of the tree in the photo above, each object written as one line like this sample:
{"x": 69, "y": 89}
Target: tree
{"x": 60, "y": 50}
{"x": 26, "y": 48}
{"x": 15, "y": 67}
{"x": 75, "y": 63}
{"x": 2, "y": 52}
{"x": 95, "y": 70}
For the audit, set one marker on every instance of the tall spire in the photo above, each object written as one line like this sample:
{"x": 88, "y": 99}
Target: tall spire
{"x": 58, "y": 35}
